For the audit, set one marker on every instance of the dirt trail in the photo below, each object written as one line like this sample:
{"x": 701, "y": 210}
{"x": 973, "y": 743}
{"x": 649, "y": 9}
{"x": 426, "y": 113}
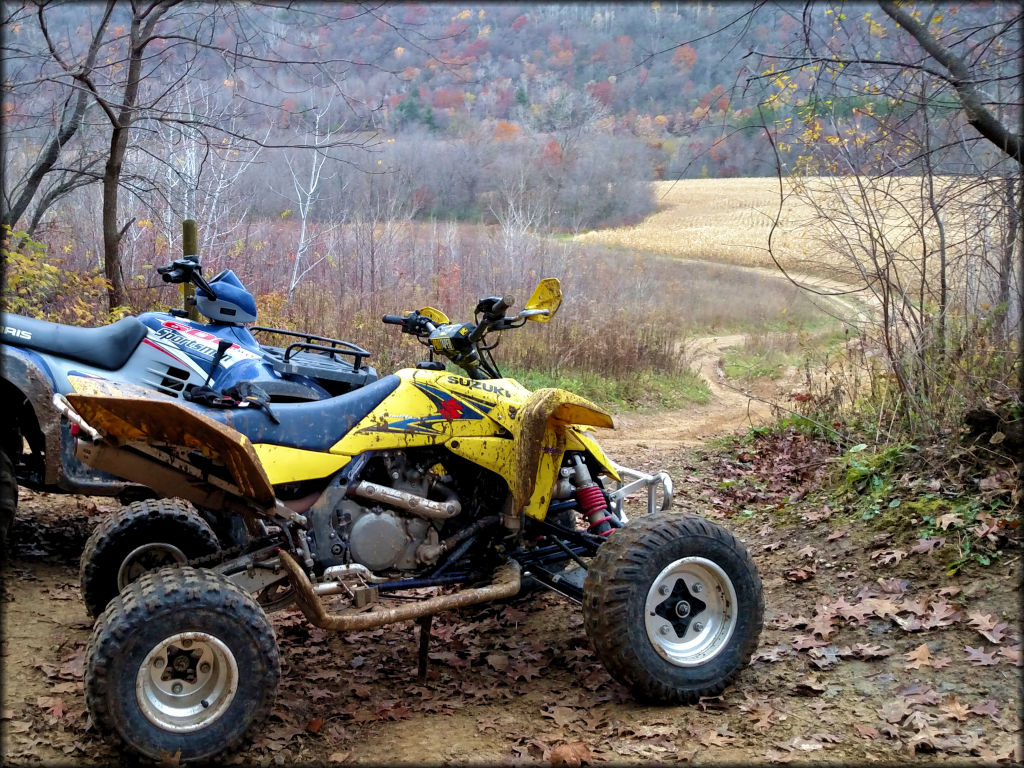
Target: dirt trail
{"x": 729, "y": 409}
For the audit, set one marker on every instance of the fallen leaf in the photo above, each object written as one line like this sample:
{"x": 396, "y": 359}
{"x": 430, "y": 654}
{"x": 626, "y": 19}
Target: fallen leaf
{"x": 979, "y": 658}
{"x": 54, "y": 706}
{"x": 919, "y": 657}
{"x": 816, "y": 516}
{"x": 987, "y": 707}
{"x": 909, "y": 624}
{"x": 942, "y": 614}
{"x": 801, "y": 574}
{"x": 894, "y": 586}
{"x": 561, "y": 715}
{"x": 785, "y": 621}
{"x": 822, "y": 624}
{"x": 887, "y": 556}
{"x": 498, "y": 661}
{"x": 338, "y": 757}
{"x": 867, "y": 651}
{"x": 893, "y": 711}
{"x": 927, "y": 739}
{"x": 918, "y": 607}
{"x": 987, "y": 626}
{"x": 760, "y": 711}
{"x": 835, "y": 535}
{"x": 951, "y": 518}
{"x": 927, "y": 545}
{"x": 803, "y": 642}
{"x": 918, "y": 693}
{"x": 866, "y": 731}
{"x": 576, "y": 753}
{"x": 807, "y": 552}
{"x": 804, "y": 745}
{"x": 919, "y": 720}
{"x": 770, "y": 655}
{"x": 824, "y": 658}
{"x": 720, "y": 738}
{"x": 954, "y": 710}
{"x": 314, "y": 725}
{"x": 1012, "y": 654}
{"x": 809, "y": 687}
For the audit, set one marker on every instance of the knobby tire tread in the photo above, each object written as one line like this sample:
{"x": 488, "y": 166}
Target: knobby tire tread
{"x": 610, "y": 590}
{"x": 100, "y": 561}
{"x": 148, "y": 599}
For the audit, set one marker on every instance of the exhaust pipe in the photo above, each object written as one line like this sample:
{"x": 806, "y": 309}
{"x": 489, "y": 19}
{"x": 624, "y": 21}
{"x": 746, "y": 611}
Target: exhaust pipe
{"x": 506, "y": 584}
{"x": 435, "y": 510}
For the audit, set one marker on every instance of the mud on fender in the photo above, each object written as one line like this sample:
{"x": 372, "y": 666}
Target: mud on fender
{"x": 555, "y": 408}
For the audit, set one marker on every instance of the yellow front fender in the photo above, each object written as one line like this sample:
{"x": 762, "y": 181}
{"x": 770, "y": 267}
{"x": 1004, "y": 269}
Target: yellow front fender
{"x": 540, "y": 443}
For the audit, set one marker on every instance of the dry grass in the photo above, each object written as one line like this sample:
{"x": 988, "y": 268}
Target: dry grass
{"x": 722, "y": 220}
{"x": 824, "y": 224}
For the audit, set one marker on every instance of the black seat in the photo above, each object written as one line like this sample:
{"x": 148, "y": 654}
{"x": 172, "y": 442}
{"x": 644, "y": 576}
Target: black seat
{"x": 107, "y": 347}
{"x": 312, "y": 426}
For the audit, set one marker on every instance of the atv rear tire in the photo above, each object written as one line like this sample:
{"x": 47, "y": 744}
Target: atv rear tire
{"x": 8, "y": 498}
{"x": 182, "y": 659}
{"x": 674, "y": 607}
{"x": 141, "y": 536}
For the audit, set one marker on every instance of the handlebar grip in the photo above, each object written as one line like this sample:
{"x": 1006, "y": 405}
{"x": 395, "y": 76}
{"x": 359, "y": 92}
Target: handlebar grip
{"x": 173, "y": 275}
{"x": 498, "y": 310}
{"x": 393, "y": 319}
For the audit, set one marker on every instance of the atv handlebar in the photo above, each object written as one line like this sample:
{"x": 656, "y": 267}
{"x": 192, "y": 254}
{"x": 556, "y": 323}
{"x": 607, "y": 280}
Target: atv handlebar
{"x": 187, "y": 270}
{"x": 460, "y": 341}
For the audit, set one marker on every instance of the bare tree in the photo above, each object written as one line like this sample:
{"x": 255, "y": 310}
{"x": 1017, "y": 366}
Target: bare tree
{"x": 116, "y": 71}
{"x": 306, "y": 175}
{"x": 875, "y": 103}
{"x": 70, "y": 99}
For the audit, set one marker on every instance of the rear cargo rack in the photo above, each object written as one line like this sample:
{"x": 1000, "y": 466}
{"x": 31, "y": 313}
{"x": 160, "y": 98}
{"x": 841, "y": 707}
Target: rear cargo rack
{"x": 318, "y": 356}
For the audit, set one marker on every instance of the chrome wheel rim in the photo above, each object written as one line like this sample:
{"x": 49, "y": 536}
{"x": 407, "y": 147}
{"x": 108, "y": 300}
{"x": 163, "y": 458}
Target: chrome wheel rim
{"x": 186, "y": 682}
{"x": 147, "y": 558}
{"x": 690, "y": 611}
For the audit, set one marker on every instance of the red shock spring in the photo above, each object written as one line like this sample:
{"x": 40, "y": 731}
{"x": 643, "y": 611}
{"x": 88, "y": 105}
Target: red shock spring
{"x": 594, "y": 508}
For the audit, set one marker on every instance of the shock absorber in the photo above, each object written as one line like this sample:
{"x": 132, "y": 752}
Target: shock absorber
{"x": 590, "y": 498}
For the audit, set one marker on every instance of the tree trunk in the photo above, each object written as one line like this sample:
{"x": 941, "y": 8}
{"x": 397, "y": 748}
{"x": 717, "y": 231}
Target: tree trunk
{"x": 1020, "y": 289}
{"x": 116, "y": 294}
{"x": 1005, "y": 276}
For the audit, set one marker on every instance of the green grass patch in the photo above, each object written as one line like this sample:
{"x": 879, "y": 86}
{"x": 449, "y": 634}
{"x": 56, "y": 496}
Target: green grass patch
{"x": 738, "y": 363}
{"x": 766, "y": 355}
{"x": 638, "y": 390}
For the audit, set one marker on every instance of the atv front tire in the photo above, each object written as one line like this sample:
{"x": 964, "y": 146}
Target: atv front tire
{"x": 141, "y": 536}
{"x": 674, "y": 607}
{"x": 182, "y": 659}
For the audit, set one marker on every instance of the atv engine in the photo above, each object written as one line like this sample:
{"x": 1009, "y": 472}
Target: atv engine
{"x": 394, "y": 522}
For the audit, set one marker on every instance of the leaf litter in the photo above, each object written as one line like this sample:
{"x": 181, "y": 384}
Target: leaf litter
{"x": 862, "y": 658}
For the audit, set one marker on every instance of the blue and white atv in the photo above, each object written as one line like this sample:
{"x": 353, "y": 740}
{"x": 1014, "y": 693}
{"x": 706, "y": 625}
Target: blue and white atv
{"x": 163, "y": 351}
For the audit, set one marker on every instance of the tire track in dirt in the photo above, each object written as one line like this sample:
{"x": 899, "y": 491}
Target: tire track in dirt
{"x": 730, "y": 408}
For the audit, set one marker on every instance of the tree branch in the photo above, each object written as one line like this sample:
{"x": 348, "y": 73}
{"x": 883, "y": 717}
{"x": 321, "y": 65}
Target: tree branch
{"x": 978, "y": 115}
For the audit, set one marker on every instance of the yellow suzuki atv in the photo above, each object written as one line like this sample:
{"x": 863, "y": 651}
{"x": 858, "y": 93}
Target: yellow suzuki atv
{"x": 463, "y": 482}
